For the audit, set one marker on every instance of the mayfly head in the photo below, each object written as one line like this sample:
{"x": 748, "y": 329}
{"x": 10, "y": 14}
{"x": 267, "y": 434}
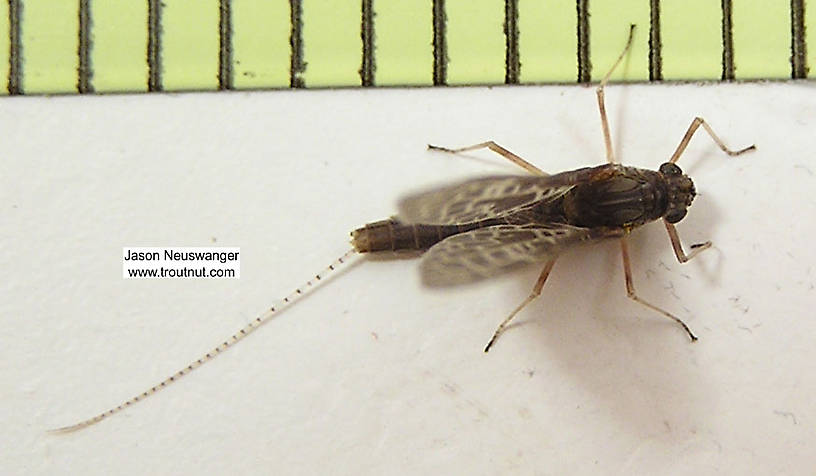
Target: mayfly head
{"x": 680, "y": 192}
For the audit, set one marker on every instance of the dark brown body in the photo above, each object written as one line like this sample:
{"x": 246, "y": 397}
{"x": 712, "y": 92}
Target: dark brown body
{"x": 611, "y": 198}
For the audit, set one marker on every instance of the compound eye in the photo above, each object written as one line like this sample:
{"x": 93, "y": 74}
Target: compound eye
{"x": 670, "y": 169}
{"x": 675, "y": 216}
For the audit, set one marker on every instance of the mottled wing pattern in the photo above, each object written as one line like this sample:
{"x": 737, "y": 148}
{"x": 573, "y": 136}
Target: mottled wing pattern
{"x": 486, "y": 252}
{"x": 478, "y": 199}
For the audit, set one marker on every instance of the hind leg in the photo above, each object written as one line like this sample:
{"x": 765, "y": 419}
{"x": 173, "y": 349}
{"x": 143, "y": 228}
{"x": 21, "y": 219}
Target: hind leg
{"x": 534, "y": 294}
{"x": 497, "y": 149}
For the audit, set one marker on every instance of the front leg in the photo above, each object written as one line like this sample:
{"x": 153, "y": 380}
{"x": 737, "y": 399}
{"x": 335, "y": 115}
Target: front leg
{"x": 695, "y": 124}
{"x": 678, "y": 247}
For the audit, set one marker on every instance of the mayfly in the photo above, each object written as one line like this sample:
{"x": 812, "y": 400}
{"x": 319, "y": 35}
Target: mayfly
{"x": 480, "y": 228}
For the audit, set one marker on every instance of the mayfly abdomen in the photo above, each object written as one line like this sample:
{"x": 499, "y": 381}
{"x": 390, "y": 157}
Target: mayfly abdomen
{"x": 391, "y": 235}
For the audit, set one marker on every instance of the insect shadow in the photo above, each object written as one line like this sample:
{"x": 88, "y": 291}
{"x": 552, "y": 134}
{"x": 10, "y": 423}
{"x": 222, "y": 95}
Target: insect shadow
{"x": 479, "y": 228}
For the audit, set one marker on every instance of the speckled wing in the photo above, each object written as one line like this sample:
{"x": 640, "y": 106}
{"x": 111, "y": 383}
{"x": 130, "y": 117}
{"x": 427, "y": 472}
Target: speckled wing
{"x": 479, "y": 199}
{"x": 486, "y": 252}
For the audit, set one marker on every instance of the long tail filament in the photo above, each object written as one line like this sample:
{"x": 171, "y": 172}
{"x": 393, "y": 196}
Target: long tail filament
{"x": 248, "y": 329}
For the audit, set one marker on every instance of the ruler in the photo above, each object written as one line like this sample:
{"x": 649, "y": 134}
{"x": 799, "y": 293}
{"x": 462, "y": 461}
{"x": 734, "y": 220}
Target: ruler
{"x": 87, "y": 46}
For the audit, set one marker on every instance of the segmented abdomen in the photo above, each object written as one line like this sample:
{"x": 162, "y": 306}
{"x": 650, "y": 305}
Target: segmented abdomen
{"x": 391, "y": 235}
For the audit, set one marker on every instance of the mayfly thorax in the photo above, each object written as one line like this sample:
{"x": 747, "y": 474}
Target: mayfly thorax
{"x": 483, "y": 227}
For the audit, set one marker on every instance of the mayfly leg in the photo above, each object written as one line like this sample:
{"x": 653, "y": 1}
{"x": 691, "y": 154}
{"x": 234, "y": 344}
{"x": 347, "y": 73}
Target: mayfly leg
{"x": 497, "y": 149}
{"x": 539, "y": 285}
{"x": 610, "y": 157}
{"x": 682, "y": 257}
{"x": 630, "y": 289}
{"x": 610, "y": 153}
{"x": 245, "y": 331}
{"x": 695, "y": 124}
{"x": 677, "y": 246}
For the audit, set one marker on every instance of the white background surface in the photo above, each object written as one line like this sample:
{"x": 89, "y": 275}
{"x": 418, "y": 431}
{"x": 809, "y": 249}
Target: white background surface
{"x": 372, "y": 373}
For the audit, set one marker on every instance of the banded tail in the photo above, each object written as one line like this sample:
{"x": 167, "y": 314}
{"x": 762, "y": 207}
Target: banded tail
{"x": 248, "y": 329}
